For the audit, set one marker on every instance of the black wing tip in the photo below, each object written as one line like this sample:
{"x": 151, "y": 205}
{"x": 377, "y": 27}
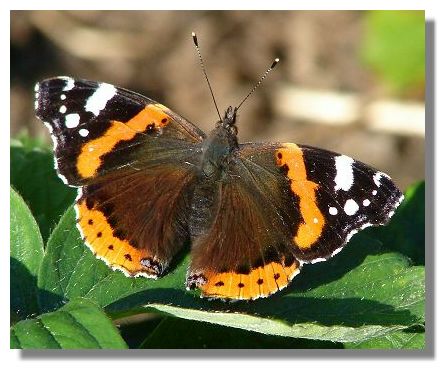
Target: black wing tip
{"x": 392, "y": 206}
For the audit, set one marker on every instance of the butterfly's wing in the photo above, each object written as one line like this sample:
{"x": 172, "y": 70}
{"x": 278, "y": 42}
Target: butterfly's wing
{"x": 347, "y": 197}
{"x": 137, "y": 221}
{"x": 280, "y": 206}
{"x": 134, "y": 162}
{"x": 98, "y": 128}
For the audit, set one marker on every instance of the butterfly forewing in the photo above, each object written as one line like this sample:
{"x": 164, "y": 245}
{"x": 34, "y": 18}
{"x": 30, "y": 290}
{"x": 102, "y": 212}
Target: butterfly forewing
{"x": 98, "y": 128}
{"x": 333, "y": 195}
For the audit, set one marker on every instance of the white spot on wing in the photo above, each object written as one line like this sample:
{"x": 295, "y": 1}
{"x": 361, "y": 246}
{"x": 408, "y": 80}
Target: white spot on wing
{"x": 72, "y": 120}
{"x": 62, "y": 97}
{"x": 62, "y": 109}
{"x": 374, "y": 192}
{"x": 344, "y": 178}
{"x": 355, "y": 231}
{"x": 333, "y": 211}
{"x": 36, "y": 89}
{"x": 376, "y": 177}
{"x": 366, "y": 202}
{"x": 317, "y": 260}
{"x": 335, "y": 252}
{"x": 315, "y": 220}
{"x": 350, "y": 234}
{"x": 351, "y": 207}
{"x": 83, "y": 132}
{"x": 69, "y": 83}
{"x": 50, "y": 128}
{"x": 97, "y": 101}
{"x": 366, "y": 225}
{"x": 399, "y": 201}
{"x": 62, "y": 177}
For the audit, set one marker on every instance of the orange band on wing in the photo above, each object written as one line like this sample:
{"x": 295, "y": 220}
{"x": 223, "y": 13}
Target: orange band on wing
{"x": 115, "y": 252}
{"x": 90, "y": 159}
{"x": 309, "y": 231}
{"x": 260, "y": 282}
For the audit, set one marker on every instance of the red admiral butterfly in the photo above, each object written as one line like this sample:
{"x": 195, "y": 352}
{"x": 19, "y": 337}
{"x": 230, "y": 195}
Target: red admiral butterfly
{"x": 150, "y": 181}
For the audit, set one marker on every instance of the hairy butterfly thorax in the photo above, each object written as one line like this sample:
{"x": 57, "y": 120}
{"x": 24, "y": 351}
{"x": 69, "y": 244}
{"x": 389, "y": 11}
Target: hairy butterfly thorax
{"x": 220, "y": 144}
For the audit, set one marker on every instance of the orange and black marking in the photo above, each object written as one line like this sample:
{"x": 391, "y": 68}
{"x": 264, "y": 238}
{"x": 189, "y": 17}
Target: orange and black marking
{"x": 103, "y": 241}
{"x": 258, "y": 282}
{"x": 150, "y": 119}
{"x": 289, "y": 157}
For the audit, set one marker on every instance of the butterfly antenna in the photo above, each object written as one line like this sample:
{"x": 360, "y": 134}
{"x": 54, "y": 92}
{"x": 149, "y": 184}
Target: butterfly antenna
{"x": 195, "y": 40}
{"x": 275, "y": 62}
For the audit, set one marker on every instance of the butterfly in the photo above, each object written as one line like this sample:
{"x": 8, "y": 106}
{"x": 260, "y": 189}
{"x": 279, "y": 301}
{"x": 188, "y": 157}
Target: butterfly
{"x": 150, "y": 182}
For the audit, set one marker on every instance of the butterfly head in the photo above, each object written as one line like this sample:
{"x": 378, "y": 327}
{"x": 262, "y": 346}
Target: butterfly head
{"x": 228, "y": 123}
{"x": 230, "y": 116}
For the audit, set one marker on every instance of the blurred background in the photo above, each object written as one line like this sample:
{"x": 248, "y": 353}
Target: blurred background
{"x": 348, "y": 81}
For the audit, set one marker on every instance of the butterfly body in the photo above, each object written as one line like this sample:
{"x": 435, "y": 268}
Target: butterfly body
{"x": 150, "y": 182}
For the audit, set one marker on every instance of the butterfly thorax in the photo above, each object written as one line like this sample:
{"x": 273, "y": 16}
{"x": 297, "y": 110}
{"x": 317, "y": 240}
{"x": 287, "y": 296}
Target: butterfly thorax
{"x": 220, "y": 144}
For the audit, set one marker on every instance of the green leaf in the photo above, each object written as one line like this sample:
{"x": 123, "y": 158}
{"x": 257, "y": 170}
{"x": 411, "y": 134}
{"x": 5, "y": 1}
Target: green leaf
{"x": 362, "y": 293}
{"x": 79, "y": 324}
{"x": 27, "y": 142}
{"x": 394, "y": 46}
{"x": 406, "y": 231}
{"x": 70, "y": 270}
{"x": 34, "y": 177}
{"x": 185, "y": 334}
{"x": 396, "y": 340}
{"x": 135, "y": 329}
{"x": 26, "y": 255}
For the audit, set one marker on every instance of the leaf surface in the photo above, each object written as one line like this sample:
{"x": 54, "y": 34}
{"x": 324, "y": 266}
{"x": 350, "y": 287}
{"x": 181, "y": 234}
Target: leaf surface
{"x": 26, "y": 254}
{"x": 80, "y": 324}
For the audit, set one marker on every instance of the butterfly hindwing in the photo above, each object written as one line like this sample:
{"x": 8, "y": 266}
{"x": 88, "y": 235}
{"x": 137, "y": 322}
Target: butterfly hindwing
{"x": 136, "y": 221}
{"x": 244, "y": 252}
